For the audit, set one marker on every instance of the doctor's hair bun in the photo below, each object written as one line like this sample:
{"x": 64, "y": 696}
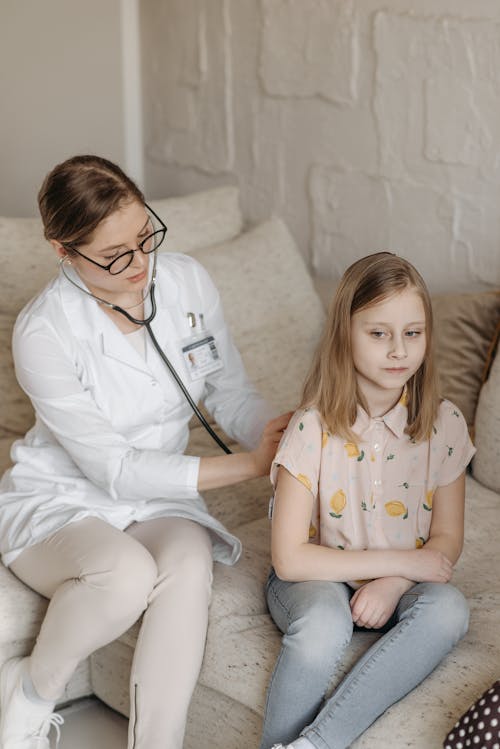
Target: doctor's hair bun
{"x": 81, "y": 192}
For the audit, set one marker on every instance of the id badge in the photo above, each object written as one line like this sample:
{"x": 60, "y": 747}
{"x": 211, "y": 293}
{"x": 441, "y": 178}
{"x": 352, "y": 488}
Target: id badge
{"x": 201, "y": 356}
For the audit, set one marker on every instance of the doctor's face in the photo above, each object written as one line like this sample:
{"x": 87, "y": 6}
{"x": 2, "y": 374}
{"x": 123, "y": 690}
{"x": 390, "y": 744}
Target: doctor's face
{"x": 120, "y": 232}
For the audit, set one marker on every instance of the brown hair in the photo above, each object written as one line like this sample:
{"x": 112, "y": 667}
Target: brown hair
{"x": 80, "y": 193}
{"x": 331, "y": 384}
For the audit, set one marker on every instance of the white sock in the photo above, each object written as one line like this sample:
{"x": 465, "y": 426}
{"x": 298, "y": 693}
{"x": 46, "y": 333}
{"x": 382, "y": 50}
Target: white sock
{"x": 30, "y": 692}
{"x": 301, "y": 743}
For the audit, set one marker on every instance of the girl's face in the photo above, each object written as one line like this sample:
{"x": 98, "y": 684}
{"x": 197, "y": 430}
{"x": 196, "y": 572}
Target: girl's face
{"x": 388, "y": 344}
{"x": 119, "y": 232}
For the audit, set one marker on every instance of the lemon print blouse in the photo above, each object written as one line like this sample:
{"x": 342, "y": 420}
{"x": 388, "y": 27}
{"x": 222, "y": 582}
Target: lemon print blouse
{"x": 376, "y": 493}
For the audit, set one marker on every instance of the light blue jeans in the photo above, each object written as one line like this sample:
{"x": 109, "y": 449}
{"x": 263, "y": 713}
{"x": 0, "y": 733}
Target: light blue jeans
{"x": 317, "y": 627}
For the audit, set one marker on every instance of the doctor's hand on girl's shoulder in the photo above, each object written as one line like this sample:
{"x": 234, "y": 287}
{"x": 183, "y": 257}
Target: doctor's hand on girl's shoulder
{"x": 224, "y": 470}
{"x": 266, "y": 449}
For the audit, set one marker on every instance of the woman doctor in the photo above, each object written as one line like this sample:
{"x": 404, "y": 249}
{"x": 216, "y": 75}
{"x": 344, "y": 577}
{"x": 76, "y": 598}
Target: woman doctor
{"x": 102, "y": 511}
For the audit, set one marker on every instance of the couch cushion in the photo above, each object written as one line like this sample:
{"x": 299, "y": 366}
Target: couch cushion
{"x": 486, "y": 463}
{"x": 271, "y": 306}
{"x": 200, "y": 219}
{"x": 464, "y": 327}
{"x": 17, "y": 413}
{"x": 28, "y": 262}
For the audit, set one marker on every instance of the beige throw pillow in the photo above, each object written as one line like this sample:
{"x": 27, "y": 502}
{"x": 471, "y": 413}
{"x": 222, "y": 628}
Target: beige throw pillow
{"x": 270, "y": 306}
{"x": 486, "y": 463}
{"x": 464, "y": 326}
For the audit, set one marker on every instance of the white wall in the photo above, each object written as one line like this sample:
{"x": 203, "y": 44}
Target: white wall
{"x": 364, "y": 124}
{"x": 61, "y": 90}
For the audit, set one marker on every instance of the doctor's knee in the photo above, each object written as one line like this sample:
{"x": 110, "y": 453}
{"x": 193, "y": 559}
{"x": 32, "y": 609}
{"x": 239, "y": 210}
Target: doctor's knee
{"x": 127, "y": 584}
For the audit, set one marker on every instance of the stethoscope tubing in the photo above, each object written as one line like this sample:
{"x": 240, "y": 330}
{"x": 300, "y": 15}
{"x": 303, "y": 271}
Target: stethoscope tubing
{"x": 178, "y": 380}
{"x": 146, "y": 323}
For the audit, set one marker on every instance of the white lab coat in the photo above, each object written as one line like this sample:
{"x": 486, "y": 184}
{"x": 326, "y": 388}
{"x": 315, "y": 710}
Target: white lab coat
{"x": 111, "y": 427}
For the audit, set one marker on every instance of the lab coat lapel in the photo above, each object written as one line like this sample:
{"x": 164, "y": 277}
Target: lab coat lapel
{"x": 115, "y": 346}
{"x": 164, "y": 329}
{"x": 89, "y": 322}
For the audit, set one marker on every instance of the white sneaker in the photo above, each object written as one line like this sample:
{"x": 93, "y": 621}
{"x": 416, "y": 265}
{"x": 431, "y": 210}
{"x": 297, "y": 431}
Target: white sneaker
{"x": 24, "y": 724}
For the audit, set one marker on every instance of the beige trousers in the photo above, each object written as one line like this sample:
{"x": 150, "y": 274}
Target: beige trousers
{"x": 99, "y": 581}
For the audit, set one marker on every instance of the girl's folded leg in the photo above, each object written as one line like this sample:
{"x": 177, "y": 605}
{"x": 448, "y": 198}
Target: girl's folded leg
{"x": 431, "y": 619}
{"x": 316, "y": 622}
{"x": 171, "y": 641}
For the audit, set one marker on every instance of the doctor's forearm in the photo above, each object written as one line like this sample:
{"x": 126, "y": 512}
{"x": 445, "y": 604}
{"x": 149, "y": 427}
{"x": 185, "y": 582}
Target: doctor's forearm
{"x": 224, "y": 470}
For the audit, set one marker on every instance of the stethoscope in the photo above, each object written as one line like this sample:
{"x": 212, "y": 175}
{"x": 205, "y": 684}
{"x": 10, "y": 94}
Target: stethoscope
{"x": 146, "y": 323}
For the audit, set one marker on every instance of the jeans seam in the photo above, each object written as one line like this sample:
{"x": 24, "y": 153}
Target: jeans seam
{"x": 271, "y": 591}
{"x": 275, "y": 596}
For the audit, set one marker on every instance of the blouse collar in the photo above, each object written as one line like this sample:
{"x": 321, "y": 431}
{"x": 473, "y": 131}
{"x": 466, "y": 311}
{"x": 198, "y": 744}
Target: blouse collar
{"x": 396, "y": 419}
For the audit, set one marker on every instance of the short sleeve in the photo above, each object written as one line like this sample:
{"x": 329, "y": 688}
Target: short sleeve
{"x": 300, "y": 449}
{"x": 457, "y": 448}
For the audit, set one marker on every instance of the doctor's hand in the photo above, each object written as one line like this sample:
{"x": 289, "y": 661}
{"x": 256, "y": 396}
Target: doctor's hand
{"x": 266, "y": 450}
{"x": 224, "y": 470}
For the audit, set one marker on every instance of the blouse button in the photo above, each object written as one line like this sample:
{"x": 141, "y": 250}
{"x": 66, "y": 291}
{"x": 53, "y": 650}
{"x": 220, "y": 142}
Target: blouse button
{"x": 376, "y": 447}
{"x": 377, "y": 482}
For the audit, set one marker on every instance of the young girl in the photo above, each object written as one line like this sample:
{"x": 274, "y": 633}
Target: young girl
{"x": 102, "y": 511}
{"x": 368, "y": 514}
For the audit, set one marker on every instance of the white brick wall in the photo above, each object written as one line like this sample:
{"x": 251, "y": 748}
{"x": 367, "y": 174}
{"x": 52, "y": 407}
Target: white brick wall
{"x": 365, "y": 124}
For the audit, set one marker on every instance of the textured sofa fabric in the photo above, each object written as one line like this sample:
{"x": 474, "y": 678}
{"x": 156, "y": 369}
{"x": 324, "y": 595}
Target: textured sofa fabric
{"x": 276, "y": 318}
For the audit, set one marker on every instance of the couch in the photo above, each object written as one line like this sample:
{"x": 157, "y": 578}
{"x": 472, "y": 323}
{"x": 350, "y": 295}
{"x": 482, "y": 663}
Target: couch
{"x": 276, "y": 313}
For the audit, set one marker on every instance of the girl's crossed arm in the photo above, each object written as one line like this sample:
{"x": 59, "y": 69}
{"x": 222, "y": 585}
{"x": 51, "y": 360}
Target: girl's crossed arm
{"x": 374, "y": 603}
{"x": 295, "y": 559}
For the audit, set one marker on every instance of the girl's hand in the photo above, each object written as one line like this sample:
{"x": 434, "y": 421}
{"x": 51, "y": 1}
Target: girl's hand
{"x": 373, "y": 605}
{"x": 266, "y": 450}
{"x": 429, "y": 566}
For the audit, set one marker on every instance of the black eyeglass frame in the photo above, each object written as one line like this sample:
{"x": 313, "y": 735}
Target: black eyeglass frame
{"x": 140, "y": 245}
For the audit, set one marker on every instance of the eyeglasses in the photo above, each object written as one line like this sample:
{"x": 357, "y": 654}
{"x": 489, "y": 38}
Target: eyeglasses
{"x": 146, "y": 246}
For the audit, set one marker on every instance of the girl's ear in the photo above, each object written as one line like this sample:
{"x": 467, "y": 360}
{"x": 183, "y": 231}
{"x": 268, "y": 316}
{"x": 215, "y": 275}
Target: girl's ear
{"x": 58, "y": 248}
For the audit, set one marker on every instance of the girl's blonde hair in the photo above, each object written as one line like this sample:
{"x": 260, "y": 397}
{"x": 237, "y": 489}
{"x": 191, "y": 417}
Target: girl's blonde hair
{"x": 331, "y": 384}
